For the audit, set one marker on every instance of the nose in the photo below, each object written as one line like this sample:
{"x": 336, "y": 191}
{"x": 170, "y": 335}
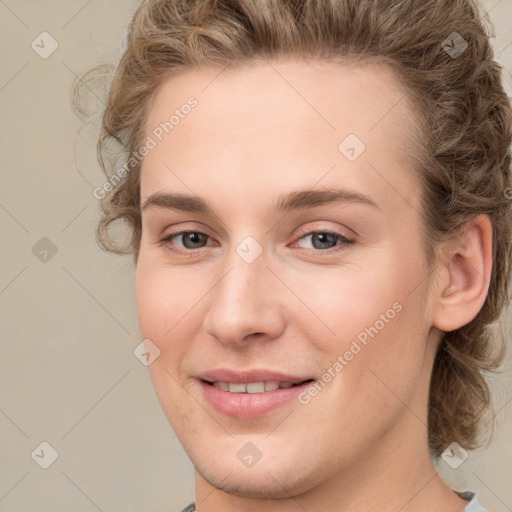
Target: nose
{"x": 245, "y": 303}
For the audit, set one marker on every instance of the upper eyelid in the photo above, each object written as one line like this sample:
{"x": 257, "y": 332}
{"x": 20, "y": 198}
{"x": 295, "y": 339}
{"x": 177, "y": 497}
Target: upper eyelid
{"x": 300, "y": 235}
{"x": 307, "y": 232}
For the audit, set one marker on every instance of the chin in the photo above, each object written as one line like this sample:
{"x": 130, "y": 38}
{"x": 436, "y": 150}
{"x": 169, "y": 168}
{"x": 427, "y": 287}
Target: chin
{"x": 270, "y": 478}
{"x": 263, "y": 484}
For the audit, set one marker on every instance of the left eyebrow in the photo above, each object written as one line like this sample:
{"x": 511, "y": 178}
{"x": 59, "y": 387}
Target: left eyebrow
{"x": 296, "y": 200}
{"x": 302, "y": 199}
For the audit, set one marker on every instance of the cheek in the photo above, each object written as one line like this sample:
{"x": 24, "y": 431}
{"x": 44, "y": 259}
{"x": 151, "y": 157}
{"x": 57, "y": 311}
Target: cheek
{"x": 165, "y": 299}
{"x": 163, "y": 302}
{"x": 169, "y": 312}
{"x": 346, "y": 303}
{"x": 376, "y": 324}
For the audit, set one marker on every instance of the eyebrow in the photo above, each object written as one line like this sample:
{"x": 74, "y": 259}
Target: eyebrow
{"x": 296, "y": 200}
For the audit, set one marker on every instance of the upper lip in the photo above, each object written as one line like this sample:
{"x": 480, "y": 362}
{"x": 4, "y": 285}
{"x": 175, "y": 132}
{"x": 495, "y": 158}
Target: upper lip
{"x": 237, "y": 376}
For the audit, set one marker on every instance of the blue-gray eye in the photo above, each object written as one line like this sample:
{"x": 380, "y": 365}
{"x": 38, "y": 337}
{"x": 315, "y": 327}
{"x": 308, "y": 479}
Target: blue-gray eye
{"x": 323, "y": 240}
{"x": 189, "y": 239}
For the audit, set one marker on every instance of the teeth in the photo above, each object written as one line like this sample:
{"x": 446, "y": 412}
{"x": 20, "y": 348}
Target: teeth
{"x": 255, "y": 387}
{"x": 271, "y": 385}
{"x": 252, "y": 387}
{"x": 238, "y": 387}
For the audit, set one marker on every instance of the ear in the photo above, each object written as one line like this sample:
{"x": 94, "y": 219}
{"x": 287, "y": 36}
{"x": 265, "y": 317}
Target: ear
{"x": 464, "y": 268}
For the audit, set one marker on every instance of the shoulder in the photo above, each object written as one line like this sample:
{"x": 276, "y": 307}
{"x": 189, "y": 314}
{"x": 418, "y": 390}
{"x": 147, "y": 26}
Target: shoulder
{"x": 473, "y": 505}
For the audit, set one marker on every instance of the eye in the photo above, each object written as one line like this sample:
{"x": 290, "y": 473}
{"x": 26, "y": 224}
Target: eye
{"x": 322, "y": 240}
{"x": 319, "y": 240}
{"x": 189, "y": 239}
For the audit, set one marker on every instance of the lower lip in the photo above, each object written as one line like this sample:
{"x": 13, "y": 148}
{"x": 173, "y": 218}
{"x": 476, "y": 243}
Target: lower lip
{"x": 249, "y": 405}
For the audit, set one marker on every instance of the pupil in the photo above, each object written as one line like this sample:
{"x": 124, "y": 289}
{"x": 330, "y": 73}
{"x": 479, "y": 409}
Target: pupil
{"x": 324, "y": 239}
{"x": 195, "y": 238}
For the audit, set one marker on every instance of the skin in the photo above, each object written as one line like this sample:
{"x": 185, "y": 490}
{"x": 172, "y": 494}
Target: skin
{"x": 258, "y": 132}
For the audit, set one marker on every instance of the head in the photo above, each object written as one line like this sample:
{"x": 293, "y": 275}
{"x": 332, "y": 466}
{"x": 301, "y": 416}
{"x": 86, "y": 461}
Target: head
{"x": 276, "y": 105}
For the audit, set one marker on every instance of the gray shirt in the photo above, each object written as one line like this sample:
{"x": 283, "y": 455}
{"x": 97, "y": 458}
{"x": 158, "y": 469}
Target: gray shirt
{"x": 473, "y": 505}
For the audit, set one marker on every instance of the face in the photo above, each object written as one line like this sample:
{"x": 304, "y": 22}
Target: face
{"x": 302, "y": 262}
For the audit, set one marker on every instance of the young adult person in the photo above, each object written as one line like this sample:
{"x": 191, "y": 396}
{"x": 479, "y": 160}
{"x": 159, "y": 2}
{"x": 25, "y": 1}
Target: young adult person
{"x": 316, "y": 192}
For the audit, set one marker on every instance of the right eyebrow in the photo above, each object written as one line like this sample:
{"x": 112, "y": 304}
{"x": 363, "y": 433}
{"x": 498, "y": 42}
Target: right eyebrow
{"x": 177, "y": 201}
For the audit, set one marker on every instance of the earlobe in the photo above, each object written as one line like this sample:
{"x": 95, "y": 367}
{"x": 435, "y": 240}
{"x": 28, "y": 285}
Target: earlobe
{"x": 464, "y": 275}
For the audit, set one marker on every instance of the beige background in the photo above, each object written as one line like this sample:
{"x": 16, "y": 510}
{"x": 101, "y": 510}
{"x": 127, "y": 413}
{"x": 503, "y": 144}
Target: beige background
{"x": 68, "y": 375}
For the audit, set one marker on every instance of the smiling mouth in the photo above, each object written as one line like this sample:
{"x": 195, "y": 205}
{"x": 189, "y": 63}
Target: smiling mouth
{"x": 255, "y": 387}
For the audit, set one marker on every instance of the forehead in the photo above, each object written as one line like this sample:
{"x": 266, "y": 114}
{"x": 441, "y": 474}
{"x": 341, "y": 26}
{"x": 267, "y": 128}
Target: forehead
{"x": 274, "y": 122}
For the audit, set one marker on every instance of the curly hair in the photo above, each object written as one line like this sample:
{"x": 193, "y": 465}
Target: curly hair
{"x": 463, "y": 158}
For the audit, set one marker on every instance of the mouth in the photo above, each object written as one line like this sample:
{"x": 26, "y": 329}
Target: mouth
{"x": 251, "y": 399}
{"x": 255, "y": 387}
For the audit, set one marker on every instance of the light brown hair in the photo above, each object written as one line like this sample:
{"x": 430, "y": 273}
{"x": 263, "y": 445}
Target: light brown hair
{"x": 463, "y": 160}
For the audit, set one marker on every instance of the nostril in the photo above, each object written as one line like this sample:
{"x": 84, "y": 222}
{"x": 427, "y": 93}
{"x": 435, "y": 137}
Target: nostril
{"x": 253, "y": 334}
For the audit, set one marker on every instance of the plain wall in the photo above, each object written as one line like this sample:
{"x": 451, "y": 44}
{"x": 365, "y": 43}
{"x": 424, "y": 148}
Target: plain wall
{"x": 68, "y": 375}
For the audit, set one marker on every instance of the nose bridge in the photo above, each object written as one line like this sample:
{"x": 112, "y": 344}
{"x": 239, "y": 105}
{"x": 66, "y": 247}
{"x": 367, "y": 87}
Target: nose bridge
{"x": 241, "y": 301}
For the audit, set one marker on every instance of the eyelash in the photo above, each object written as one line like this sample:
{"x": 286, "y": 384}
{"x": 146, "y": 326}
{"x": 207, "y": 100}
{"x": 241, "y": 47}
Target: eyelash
{"x": 344, "y": 241}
